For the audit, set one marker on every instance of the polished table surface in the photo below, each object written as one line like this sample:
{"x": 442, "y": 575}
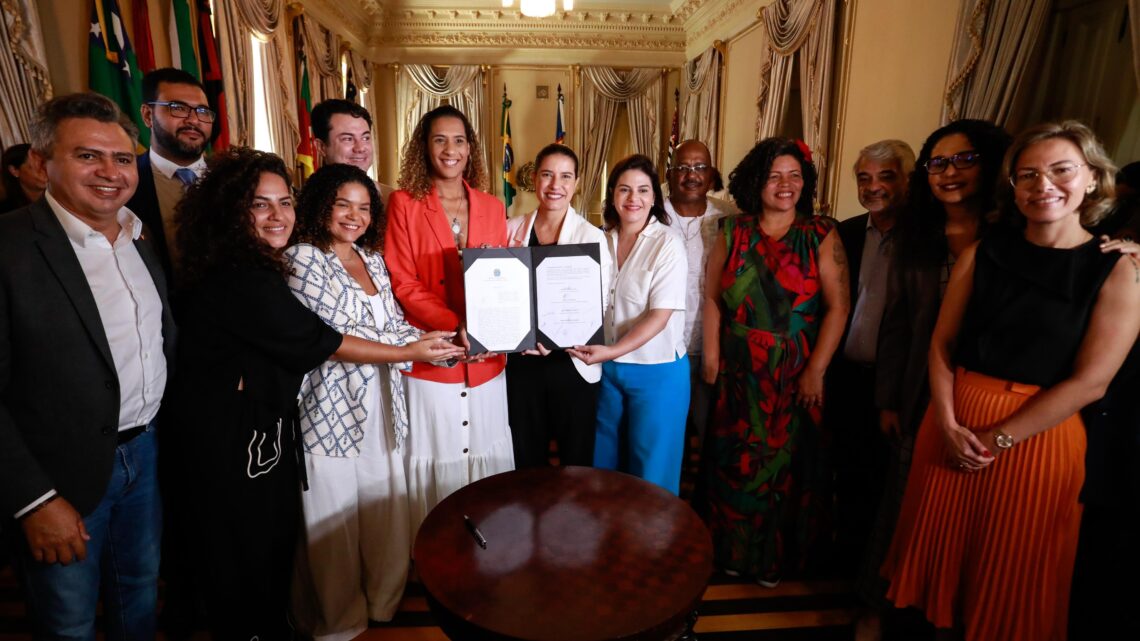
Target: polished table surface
{"x": 573, "y": 554}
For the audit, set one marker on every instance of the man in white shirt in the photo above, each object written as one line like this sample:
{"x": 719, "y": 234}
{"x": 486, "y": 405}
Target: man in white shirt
{"x": 181, "y": 125}
{"x": 695, "y": 217}
{"x": 342, "y": 132}
{"x": 85, "y": 337}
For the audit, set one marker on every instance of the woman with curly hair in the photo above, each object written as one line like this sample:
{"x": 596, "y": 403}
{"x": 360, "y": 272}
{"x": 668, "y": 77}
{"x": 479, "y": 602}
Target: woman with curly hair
{"x": 458, "y": 427}
{"x": 353, "y": 417}
{"x": 644, "y": 399}
{"x": 776, "y": 301}
{"x": 1034, "y": 324}
{"x": 246, "y": 343}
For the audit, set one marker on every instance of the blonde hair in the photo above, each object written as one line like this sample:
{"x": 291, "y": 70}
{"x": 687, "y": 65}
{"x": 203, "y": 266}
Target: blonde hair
{"x": 415, "y": 168}
{"x": 1097, "y": 203}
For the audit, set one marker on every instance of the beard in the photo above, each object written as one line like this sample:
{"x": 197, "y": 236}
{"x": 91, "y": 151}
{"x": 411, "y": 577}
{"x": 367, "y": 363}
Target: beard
{"x": 177, "y": 147}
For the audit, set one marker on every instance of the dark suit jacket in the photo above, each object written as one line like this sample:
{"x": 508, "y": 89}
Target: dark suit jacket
{"x": 59, "y": 392}
{"x": 853, "y": 234}
{"x": 145, "y": 205}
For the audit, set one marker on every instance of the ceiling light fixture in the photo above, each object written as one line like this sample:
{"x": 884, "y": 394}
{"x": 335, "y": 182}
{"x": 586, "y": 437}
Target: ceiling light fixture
{"x": 538, "y": 8}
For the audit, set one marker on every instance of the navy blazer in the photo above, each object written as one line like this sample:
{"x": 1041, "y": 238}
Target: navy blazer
{"x": 59, "y": 390}
{"x": 144, "y": 203}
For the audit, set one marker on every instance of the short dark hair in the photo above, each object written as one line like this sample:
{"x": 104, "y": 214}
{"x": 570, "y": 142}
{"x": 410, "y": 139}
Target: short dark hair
{"x": 315, "y": 204}
{"x": 14, "y": 156}
{"x": 556, "y": 149}
{"x": 75, "y": 105}
{"x": 643, "y": 164}
{"x": 326, "y": 109}
{"x": 215, "y": 228}
{"x": 746, "y": 182}
{"x": 169, "y": 75}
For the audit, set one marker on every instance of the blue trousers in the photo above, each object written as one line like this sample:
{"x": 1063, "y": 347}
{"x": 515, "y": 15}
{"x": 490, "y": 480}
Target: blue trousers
{"x": 122, "y": 558}
{"x": 641, "y": 420}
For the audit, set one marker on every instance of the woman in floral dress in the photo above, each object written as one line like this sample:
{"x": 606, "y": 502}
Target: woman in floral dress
{"x": 776, "y": 301}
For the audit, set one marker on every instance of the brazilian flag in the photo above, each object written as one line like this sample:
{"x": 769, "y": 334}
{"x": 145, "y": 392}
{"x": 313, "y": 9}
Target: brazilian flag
{"x": 509, "y": 189}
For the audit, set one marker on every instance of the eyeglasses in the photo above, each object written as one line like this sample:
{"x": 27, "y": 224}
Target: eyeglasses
{"x": 698, "y": 168}
{"x": 963, "y": 160}
{"x": 182, "y": 110}
{"x": 1057, "y": 174}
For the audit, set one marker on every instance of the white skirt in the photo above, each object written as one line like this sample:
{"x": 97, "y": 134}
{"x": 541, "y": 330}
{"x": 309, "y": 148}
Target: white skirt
{"x": 456, "y": 435}
{"x": 356, "y": 522}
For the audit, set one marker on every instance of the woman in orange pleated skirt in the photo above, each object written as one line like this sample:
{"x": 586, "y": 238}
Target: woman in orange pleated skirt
{"x": 1035, "y": 322}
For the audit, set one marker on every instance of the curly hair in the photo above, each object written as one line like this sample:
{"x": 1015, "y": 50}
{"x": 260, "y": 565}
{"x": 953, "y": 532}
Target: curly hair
{"x": 922, "y": 221}
{"x": 315, "y": 205}
{"x": 415, "y": 168}
{"x": 636, "y": 162}
{"x": 215, "y": 227}
{"x": 746, "y": 182}
{"x": 1095, "y": 205}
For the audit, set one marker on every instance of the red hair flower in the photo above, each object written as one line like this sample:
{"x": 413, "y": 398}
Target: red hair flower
{"x": 804, "y": 149}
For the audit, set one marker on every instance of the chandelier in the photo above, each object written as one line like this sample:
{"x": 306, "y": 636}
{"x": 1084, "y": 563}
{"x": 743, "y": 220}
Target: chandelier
{"x": 539, "y": 8}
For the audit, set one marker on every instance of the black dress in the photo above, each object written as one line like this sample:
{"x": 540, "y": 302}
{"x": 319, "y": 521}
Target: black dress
{"x": 246, "y": 343}
{"x": 548, "y": 399}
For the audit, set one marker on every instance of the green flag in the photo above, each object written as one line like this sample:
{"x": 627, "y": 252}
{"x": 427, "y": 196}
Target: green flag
{"x": 509, "y": 189}
{"x": 112, "y": 68}
{"x": 182, "y": 38}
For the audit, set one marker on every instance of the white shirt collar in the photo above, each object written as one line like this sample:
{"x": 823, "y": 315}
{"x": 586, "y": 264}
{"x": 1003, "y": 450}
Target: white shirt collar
{"x": 167, "y": 168}
{"x": 79, "y": 232}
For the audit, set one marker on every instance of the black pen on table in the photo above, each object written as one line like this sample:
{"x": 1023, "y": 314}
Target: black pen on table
{"x": 474, "y": 530}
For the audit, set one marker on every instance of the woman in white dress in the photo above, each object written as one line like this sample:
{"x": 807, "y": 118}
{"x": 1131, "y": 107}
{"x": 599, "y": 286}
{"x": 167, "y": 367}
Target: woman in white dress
{"x": 353, "y": 417}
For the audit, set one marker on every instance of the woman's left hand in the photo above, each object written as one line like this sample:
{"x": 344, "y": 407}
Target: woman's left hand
{"x": 539, "y": 350}
{"x": 590, "y": 354}
{"x": 809, "y": 388}
{"x": 1123, "y": 245}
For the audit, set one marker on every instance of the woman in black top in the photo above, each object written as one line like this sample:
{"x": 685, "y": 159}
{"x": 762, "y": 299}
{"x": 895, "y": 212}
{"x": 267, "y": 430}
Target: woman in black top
{"x": 1034, "y": 324}
{"x": 245, "y": 344}
{"x": 23, "y": 182}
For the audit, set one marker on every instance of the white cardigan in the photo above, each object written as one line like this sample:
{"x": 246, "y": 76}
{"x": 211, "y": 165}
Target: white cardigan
{"x": 575, "y": 230}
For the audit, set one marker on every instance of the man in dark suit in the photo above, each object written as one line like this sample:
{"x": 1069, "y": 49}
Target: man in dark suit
{"x": 342, "y": 133}
{"x": 85, "y": 338}
{"x": 881, "y": 172}
{"x": 181, "y": 125}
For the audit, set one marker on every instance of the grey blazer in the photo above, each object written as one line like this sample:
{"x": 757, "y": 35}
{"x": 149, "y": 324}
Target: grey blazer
{"x": 59, "y": 391}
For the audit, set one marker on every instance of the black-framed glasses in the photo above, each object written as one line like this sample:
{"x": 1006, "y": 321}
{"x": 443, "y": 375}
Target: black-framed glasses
{"x": 961, "y": 160}
{"x": 1062, "y": 174}
{"x": 182, "y": 110}
{"x": 699, "y": 168}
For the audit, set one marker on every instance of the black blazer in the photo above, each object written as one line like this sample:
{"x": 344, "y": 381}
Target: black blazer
{"x": 59, "y": 391}
{"x": 144, "y": 203}
{"x": 853, "y": 234}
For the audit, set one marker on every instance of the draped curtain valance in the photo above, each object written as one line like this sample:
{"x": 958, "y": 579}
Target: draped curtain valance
{"x": 800, "y": 28}
{"x": 419, "y": 89}
{"x": 23, "y": 69}
{"x": 700, "y": 113}
{"x": 322, "y": 52}
{"x": 604, "y": 90}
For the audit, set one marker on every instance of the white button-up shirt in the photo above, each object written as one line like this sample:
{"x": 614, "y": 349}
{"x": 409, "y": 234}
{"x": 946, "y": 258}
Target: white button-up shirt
{"x": 652, "y": 277}
{"x": 129, "y": 307}
{"x": 698, "y": 233}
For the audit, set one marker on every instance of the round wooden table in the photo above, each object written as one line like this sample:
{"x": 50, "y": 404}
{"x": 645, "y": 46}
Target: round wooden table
{"x": 573, "y": 554}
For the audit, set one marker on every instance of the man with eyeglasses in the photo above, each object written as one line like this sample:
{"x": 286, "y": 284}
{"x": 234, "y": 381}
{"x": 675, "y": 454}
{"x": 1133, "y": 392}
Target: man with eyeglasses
{"x": 881, "y": 172}
{"x": 181, "y": 126}
{"x": 694, "y": 217}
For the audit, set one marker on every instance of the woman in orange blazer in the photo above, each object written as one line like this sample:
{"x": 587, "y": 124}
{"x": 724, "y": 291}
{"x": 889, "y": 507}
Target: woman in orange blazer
{"x": 458, "y": 429}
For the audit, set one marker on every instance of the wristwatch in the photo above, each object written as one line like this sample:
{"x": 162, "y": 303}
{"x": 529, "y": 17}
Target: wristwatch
{"x": 1003, "y": 440}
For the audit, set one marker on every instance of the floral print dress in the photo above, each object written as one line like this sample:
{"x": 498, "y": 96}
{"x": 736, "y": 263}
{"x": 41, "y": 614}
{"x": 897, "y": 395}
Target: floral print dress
{"x": 763, "y": 449}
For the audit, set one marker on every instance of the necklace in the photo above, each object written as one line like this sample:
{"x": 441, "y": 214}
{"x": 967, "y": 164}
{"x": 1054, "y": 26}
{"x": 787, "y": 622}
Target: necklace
{"x": 456, "y": 228}
{"x": 688, "y": 223}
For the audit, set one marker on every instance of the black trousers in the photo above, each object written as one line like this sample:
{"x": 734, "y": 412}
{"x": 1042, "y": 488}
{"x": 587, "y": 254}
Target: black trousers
{"x": 860, "y": 457}
{"x": 548, "y": 399}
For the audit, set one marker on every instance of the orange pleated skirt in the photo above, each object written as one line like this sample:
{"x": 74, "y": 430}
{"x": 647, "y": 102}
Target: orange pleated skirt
{"x": 991, "y": 552}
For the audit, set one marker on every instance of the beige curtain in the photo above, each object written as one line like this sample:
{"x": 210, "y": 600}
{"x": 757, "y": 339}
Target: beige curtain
{"x": 237, "y": 20}
{"x": 993, "y": 45}
{"x": 603, "y": 91}
{"x": 803, "y": 27}
{"x": 700, "y": 110}
{"x": 322, "y": 52}
{"x": 24, "y": 79}
{"x": 1134, "y": 19}
{"x": 361, "y": 70}
{"x": 419, "y": 90}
